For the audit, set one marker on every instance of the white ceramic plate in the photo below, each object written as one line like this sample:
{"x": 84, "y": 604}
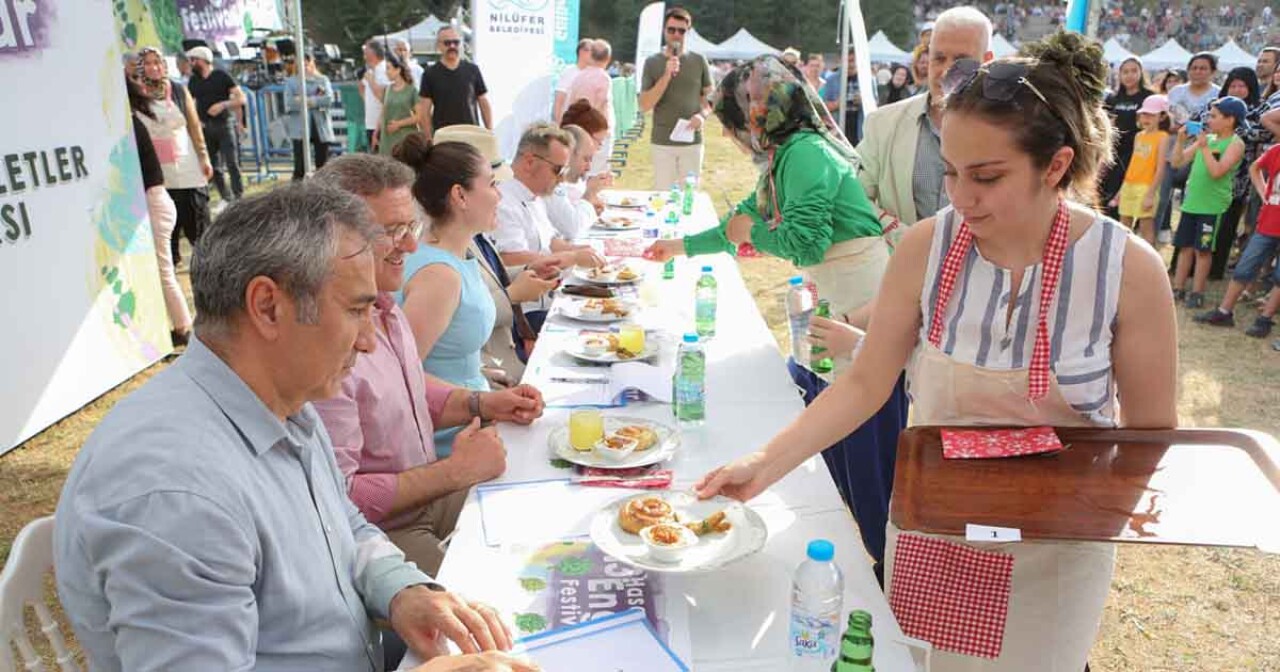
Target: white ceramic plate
{"x": 573, "y": 309}
{"x": 713, "y": 551}
{"x": 575, "y": 350}
{"x": 590, "y": 275}
{"x": 625, "y": 199}
{"x": 668, "y": 441}
{"x": 618, "y": 222}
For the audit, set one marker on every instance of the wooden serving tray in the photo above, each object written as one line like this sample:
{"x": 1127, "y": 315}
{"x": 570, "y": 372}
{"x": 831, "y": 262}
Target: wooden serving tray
{"x": 1204, "y": 487}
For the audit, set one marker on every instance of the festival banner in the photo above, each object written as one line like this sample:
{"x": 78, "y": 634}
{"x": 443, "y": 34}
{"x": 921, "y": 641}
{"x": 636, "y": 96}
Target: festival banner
{"x": 648, "y": 36}
{"x": 221, "y": 21}
{"x": 82, "y": 292}
{"x": 516, "y": 49}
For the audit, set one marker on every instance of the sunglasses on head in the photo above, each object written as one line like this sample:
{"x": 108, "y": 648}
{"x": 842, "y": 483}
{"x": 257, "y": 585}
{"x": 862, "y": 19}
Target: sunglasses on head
{"x": 1001, "y": 81}
{"x": 675, "y": 30}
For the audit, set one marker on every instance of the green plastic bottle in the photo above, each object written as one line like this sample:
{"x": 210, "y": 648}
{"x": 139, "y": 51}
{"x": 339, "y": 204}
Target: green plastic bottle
{"x": 705, "y": 304}
{"x": 820, "y": 362}
{"x": 857, "y": 645}
{"x": 690, "y": 183}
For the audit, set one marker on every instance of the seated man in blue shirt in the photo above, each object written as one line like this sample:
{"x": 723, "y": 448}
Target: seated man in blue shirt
{"x": 205, "y": 524}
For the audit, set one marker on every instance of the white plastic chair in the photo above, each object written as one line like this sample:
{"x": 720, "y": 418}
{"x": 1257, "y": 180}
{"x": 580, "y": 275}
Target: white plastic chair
{"x": 22, "y": 584}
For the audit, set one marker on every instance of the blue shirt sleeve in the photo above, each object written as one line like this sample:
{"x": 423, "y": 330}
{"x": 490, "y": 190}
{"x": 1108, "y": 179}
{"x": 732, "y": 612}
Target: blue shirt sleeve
{"x": 181, "y": 595}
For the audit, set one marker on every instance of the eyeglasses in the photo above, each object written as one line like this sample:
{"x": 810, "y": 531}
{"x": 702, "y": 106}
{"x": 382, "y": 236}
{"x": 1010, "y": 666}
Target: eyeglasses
{"x": 561, "y": 169}
{"x": 672, "y": 30}
{"x": 451, "y": 43}
{"x": 1001, "y": 83}
{"x": 404, "y": 230}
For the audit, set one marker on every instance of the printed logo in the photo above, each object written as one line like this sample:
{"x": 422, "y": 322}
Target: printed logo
{"x": 524, "y": 5}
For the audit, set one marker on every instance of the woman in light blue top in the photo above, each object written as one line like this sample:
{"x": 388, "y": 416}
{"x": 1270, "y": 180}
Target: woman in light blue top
{"x": 445, "y": 299}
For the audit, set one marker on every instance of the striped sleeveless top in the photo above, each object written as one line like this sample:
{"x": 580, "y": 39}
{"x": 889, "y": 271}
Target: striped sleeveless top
{"x": 1081, "y": 321}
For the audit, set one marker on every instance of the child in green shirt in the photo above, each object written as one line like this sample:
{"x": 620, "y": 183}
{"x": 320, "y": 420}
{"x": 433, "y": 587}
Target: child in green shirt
{"x": 1214, "y": 154}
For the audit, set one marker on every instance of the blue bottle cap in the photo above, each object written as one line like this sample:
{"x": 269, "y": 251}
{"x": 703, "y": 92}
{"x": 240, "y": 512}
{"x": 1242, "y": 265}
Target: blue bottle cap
{"x": 706, "y": 269}
{"x": 795, "y": 281}
{"x": 690, "y": 338}
{"x": 821, "y": 550}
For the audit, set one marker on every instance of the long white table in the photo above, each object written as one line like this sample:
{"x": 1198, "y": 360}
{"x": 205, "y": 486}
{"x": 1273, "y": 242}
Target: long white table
{"x": 737, "y": 618}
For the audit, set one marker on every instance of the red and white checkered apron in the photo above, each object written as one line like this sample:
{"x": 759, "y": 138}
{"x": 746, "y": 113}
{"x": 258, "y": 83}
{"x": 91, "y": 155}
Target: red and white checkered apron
{"x": 1055, "y": 248}
{"x": 947, "y": 593}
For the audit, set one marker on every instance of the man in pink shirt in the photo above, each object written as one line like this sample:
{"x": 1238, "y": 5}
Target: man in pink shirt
{"x": 382, "y": 421}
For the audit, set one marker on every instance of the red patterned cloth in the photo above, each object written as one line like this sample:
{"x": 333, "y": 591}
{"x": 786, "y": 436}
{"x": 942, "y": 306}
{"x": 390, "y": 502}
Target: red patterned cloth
{"x": 636, "y": 478}
{"x": 951, "y": 595}
{"x": 987, "y": 443}
{"x": 1055, "y": 248}
{"x": 625, "y": 247}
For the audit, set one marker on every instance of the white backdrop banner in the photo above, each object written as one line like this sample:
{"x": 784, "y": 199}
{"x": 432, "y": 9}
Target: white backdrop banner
{"x": 515, "y": 47}
{"x": 82, "y": 293}
{"x": 648, "y": 36}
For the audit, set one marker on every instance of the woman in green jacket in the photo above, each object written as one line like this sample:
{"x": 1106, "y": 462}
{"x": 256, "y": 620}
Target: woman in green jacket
{"x": 808, "y": 206}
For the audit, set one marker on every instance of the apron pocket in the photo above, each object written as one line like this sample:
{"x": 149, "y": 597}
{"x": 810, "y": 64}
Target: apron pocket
{"x": 951, "y": 595}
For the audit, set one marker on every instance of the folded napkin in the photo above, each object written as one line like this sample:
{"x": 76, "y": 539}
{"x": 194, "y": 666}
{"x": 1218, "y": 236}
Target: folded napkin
{"x": 989, "y": 443}
{"x": 636, "y": 478}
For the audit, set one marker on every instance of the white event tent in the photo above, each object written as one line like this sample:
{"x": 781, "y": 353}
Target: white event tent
{"x": 741, "y": 46}
{"x": 1230, "y": 55}
{"x": 421, "y": 36}
{"x": 695, "y": 42}
{"x": 1168, "y": 55}
{"x": 1114, "y": 52}
{"x": 882, "y": 50}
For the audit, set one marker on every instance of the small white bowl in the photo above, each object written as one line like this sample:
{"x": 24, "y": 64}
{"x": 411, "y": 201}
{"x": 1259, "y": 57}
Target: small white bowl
{"x": 614, "y": 448}
{"x": 668, "y": 552}
{"x": 595, "y": 346}
{"x": 591, "y": 309}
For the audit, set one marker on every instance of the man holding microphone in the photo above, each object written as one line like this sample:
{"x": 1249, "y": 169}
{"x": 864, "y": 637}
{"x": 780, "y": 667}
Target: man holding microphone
{"x": 675, "y": 85}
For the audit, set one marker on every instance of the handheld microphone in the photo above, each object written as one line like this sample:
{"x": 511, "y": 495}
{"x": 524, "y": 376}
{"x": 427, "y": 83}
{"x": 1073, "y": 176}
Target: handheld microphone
{"x": 674, "y": 47}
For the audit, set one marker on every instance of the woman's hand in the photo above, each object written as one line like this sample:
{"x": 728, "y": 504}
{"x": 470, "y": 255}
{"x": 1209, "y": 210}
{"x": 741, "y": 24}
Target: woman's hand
{"x": 662, "y": 250}
{"x": 583, "y": 256}
{"x": 1148, "y": 201}
{"x": 527, "y": 286}
{"x": 206, "y": 168}
{"x": 838, "y": 338}
{"x": 741, "y": 479}
{"x": 738, "y": 229}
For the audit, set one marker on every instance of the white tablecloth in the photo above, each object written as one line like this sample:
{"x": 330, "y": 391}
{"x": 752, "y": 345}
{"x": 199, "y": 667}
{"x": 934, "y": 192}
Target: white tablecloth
{"x": 738, "y": 618}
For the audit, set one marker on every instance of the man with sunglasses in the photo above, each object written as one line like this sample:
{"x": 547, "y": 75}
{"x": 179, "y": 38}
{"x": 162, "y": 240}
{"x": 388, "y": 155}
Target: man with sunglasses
{"x": 908, "y": 190}
{"x": 381, "y": 421}
{"x": 453, "y": 90}
{"x": 525, "y": 234}
{"x": 675, "y": 85}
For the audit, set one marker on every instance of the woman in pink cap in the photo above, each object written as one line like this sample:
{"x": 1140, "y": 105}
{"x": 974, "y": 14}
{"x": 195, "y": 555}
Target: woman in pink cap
{"x": 1138, "y": 195}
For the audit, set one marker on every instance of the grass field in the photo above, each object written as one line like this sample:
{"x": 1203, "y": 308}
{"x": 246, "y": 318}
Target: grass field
{"x": 1170, "y": 609}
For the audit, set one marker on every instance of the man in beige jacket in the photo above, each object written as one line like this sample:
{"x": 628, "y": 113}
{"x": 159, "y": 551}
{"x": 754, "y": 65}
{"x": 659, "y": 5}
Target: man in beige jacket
{"x": 901, "y": 151}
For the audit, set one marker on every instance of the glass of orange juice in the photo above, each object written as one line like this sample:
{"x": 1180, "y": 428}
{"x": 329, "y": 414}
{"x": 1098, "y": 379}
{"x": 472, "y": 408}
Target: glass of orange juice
{"x": 586, "y": 427}
{"x": 631, "y": 338}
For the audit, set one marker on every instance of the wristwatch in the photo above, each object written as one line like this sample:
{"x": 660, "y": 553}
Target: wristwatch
{"x": 473, "y": 405}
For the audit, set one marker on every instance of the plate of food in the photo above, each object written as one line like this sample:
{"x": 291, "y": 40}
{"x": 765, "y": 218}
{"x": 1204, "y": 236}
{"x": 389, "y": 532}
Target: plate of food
{"x": 624, "y": 199}
{"x": 677, "y": 533}
{"x": 603, "y": 348}
{"x": 627, "y": 442}
{"x": 598, "y": 310}
{"x": 617, "y": 222}
{"x": 609, "y": 274}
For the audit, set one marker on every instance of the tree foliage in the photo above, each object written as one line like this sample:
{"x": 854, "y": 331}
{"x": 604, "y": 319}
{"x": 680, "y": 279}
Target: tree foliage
{"x": 348, "y": 23}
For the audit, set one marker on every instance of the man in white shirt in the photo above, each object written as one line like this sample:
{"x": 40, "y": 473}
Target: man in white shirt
{"x": 571, "y": 207}
{"x": 406, "y": 55}
{"x": 372, "y": 86}
{"x": 566, "y": 78}
{"x": 524, "y": 232}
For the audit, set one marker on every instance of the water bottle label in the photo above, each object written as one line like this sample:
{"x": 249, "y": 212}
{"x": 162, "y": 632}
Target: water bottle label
{"x": 813, "y": 637}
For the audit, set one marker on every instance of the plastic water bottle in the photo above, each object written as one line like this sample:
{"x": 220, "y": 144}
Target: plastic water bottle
{"x": 799, "y": 303}
{"x": 817, "y": 596}
{"x": 704, "y": 306}
{"x": 691, "y": 383}
{"x": 650, "y": 224}
{"x": 819, "y": 359}
{"x": 673, "y": 195}
{"x": 690, "y": 184}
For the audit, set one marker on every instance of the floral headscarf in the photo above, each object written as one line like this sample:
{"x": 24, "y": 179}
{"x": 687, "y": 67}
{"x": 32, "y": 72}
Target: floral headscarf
{"x": 155, "y": 87}
{"x": 763, "y": 103}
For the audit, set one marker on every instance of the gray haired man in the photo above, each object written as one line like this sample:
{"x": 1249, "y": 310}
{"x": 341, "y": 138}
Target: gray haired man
{"x": 220, "y": 537}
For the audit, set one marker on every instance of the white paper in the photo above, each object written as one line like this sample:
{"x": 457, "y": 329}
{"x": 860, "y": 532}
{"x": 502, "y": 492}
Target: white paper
{"x": 540, "y": 511}
{"x": 683, "y": 131}
{"x": 619, "y": 643}
{"x": 987, "y": 533}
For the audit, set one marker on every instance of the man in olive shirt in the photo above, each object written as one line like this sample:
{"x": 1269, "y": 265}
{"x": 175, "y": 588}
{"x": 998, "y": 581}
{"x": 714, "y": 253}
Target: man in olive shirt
{"x": 675, "y": 85}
